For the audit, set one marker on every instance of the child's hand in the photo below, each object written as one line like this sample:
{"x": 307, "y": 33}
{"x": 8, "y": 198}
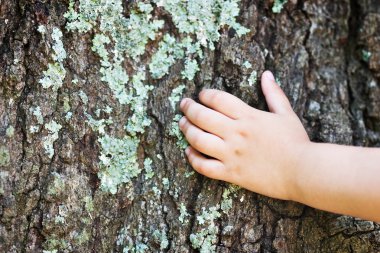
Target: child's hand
{"x": 254, "y": 149}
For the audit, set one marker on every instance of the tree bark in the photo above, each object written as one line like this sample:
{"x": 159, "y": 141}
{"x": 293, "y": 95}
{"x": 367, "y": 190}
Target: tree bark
{"x": 325, "y": 54}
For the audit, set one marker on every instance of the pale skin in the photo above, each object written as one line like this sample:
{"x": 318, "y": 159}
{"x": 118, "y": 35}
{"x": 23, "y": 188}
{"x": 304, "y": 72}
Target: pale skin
{"x": 270, "y": 153}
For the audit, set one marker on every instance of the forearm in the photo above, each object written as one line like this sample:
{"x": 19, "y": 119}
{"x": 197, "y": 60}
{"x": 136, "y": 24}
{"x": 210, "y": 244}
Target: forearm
{"x": 340, "y": 179}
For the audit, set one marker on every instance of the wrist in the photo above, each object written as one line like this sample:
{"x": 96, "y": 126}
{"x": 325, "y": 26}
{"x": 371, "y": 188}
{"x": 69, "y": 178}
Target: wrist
{"x": 299, "y": 171}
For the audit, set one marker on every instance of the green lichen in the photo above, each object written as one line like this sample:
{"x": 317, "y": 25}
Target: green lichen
{"x": 191, "y": 68}
{"x": 89, "y": 204}
{"x": 55, "y": 74}
{"x": 57, "y": 185}
{"x": 66, "y": 104}
{"x": 98, "y": 125}
{"x": 189, "y": 173}
{"x": 226, "y": 203}
{"x": 176, "y": 132}
{"x": 41, "y": 29}
{"x": 161, "y": 238}
{"x": 278, "y": 5}
{"x": 252, "y": 79}
{"x": 205, "y": 239}
{"x": 165, "y": 183}
{"x": 4, "y": 156}
{"x": 247, "y": 65}
{"x": 176, "y": 96}
{"x": 168, "y": 52}
{"x": 118, "y": 161}
{"x": 10, "y": 131}
{"x": 117, "y": 37}
{"x": 138, "y": 103}
{"x": 37, "y": 113}
{"x": 83, "y": 96}
{"x": 183, "y": 213}
{"x": 203, "y": 18}
{"x": 68, "y": 116}
{"x": 156, "y": 191}
{"x": 366, "y": 55}
{"x": 124, "y": 239}
{"x": 48, "y": 141}
{"x": 149, "y": 173}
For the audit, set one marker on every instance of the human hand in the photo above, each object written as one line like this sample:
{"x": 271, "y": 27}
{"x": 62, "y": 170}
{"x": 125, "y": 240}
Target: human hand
{"x": 257, "y": 150}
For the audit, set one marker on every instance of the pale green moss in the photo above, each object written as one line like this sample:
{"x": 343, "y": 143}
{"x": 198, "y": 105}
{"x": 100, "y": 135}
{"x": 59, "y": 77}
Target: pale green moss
{"x": 149, "y": 173}
{"x": 89, "y": 204}
{"x": 124, "y": 239}
{"x": 116, "y": 37}
{"x": 83, "y": 97}
{"x": 203, "y": 18}
{"x": 59, "y": 219}
{"x": 366, "y": 55}
{"x": 156, "y": 191}
{"x": 161, "y": 238}
{"x": 226, "y": 203}
{"x": 33, "y": 129}
{"x": 206, "y": 238}
{"x": 37, "y": 113}
{"x": 41, "y": 29}
{"x": 118, "y": 161}
{"x": 168, "y": 52}
{"x": 252, "y": 79}
{"x": 55, "y": 74}
{"x": 191, "y": 68}
{"x": 98, "y": 125}
{"x": 68, "y": 116}
{"x": 50, "y": 251}
{"x": 138, "y": 102}
{"x": 247, "y": 65}
{"x": 48, "y": 141}
{"x": 183, "y": 213}
{"x": 189, "y": 173}
{"x": 66, "y": 104}
{"x": 176, "y": 132}
{"x": 278, "y": 5}
{"x": 56, "y": 185}
{"x": 176, "y": 96}
{"x": 10, "y": 131}
{"x": 166, "y": 182}
{"x": 4, "y": 156}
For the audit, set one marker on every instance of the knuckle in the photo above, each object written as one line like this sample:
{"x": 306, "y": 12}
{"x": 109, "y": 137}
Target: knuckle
{"x": 186, "y": 127}
{"x": 215, "y": 97}
{"x": 197, "y": 141}
{"x": 238, "y": 151}
{"x": 201, "y": 168}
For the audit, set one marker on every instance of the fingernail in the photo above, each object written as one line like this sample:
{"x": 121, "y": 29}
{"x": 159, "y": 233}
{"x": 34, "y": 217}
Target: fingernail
{"x": 182, "y": 121}
{"x": 187, "y": 151}
{"x": 269, "y": 75}
{"x": 183, "y": 102}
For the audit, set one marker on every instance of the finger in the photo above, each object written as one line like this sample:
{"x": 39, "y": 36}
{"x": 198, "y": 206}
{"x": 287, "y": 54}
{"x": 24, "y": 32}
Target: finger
{"x": 206, "y": 143}
{"x": 224, "y": 103}
{"x": 209, "y": 167}
{"x": 275, "y": 97}
{"x": 205, "y": 118}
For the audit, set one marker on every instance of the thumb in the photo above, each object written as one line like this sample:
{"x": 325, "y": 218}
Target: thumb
{"x": 275, "y": 97}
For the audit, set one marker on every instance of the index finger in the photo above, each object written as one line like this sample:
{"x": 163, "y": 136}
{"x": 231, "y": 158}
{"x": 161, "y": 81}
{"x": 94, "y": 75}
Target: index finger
{"x": 224, "y": 103}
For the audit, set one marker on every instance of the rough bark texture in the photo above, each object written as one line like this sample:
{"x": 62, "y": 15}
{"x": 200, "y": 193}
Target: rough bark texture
{"x": 314, "y": 47}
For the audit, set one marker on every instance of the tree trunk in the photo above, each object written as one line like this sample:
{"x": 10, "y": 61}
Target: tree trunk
{"x": 88, "y": 163}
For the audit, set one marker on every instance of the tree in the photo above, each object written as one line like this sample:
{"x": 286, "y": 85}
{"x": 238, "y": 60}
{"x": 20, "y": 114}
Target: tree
{"x": 91, "y": 156}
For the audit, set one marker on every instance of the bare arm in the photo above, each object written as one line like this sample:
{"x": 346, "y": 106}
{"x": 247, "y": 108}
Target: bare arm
{"x": 340, "y": 179}
{"x": 270, "y": 153}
